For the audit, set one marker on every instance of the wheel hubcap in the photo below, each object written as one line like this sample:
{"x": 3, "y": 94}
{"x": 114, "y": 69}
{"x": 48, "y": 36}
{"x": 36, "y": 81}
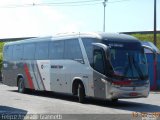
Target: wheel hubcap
{"x": 21, "y": 86}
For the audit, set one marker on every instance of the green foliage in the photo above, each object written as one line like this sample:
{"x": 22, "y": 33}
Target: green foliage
{"x": 148, "y": 37}
{"x": 1, "y": 47}
{"x": 1, "y": 61}
{"x": 1, "y": 55}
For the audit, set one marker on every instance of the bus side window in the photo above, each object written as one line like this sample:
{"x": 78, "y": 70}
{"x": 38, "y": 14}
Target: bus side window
{"x": 87, "y": 42}
{"x": 29, "y": 51}
{"x": 41, "y": 51}
{"x": 98, "y": 61}
{"x": 7, "y": 52}
{"x": 56, "y": 50}
{"x": 73, "y": 50}
{"x": 17, "y": 52}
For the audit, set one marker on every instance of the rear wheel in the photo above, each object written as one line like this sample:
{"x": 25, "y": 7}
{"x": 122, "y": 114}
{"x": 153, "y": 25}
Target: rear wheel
{"x": 115, "y": 100}
{"x": 81, "y": 93}
{"x": 21, "y": 86}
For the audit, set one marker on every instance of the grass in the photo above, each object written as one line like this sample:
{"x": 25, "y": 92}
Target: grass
{"x": 148, "y": 37}
{"x": 1, "y": 46}
{"x": 1, "y": 55}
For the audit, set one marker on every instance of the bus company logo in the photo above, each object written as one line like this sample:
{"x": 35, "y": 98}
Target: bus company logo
{"x": 42, "y": 66}
{"x": 116, "y": 45}
{"x": 56, "y": 66}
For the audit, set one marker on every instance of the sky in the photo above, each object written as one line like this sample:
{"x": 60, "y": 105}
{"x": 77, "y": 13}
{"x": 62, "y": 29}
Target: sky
{"x": 18, "y": 18}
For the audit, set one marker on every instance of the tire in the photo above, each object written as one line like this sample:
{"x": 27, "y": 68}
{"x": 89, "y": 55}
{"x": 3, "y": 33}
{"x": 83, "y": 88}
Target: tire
{"x": 114, "y": 100}
{"x": 21, "y": 86}
{"x": 81, "y": 93}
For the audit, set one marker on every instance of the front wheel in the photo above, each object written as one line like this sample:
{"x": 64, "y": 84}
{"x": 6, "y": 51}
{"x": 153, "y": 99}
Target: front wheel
{"x": 21, "y": 86}
{"x": 115, "y": 100}
{"x": 81, "y": 93}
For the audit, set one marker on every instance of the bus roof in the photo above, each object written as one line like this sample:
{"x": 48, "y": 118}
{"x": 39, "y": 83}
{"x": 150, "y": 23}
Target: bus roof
{"x": 98, "y": 35}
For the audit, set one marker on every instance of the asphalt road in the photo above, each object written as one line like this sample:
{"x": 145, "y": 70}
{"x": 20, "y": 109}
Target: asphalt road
{"x": 66, "y": 107}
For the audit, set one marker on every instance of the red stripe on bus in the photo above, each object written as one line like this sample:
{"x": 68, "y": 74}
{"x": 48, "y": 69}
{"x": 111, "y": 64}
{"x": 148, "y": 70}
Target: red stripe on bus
{"x": 29, "y": 78}
{"x": 154, "y": 86}
{"x": 155, "y": 75}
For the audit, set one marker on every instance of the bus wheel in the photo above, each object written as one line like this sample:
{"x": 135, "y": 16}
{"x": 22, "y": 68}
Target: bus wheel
{"x": 115, "y": 100}
{"x": 21, "y": 87}
{"x": 81, "y": 93}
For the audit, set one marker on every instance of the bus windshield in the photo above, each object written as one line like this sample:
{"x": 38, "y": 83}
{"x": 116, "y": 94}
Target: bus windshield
{"x": 129, "y": 63}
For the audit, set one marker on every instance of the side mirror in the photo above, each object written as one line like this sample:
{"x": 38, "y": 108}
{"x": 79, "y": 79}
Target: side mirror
{"x": 104, "y": 47}
{"x": 151, "y": 49}
{"x": 103, "y": 65}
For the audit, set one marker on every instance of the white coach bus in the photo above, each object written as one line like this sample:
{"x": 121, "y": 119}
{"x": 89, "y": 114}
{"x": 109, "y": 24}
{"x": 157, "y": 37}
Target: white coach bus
{"x": 99, "y": 65}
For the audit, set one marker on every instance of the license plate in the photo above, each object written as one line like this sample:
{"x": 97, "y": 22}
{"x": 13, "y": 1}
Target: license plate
{"x": 133, "y": 94}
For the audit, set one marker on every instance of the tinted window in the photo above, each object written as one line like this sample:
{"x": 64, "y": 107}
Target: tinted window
{"x": 29, "y": 51}
{"x": 56, "y": 50}
{"x": 41, "y": 51}
{"x": 8, "y": 50}
{"x": 99, "y": 61}
{"x": 73, "y": 50}
{"x": 89, "y": 48}
{"x": 17, "y": 52}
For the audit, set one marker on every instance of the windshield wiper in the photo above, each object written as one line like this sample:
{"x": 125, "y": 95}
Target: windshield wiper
{"x": 138, "y": 69}
{"x": 130, "y": 66}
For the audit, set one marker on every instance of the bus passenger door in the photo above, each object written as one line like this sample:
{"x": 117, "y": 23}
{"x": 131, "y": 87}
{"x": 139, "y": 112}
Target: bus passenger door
{"x": 99, "y": 72}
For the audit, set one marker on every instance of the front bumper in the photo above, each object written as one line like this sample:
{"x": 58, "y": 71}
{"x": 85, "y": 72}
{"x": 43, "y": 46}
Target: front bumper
{"x": 116, "y": 92}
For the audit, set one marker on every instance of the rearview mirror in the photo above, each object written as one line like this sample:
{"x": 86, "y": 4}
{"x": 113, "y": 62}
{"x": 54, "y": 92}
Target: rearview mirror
{"x": 151, "y": 49}
{"x": 104, "y": 47}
